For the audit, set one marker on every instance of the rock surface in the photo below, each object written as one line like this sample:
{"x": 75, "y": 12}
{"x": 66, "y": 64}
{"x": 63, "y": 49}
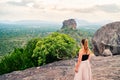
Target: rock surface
{"x": 107, "y": 37}
{"x": 70, "y": 23}
{"x": 103, "y": 68}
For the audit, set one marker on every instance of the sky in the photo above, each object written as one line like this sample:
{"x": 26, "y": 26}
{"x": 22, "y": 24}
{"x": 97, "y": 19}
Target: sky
{"x": 59, "y": 10}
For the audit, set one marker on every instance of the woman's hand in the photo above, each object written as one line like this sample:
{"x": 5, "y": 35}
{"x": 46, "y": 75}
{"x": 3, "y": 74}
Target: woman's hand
{"x": 76, "y": 70}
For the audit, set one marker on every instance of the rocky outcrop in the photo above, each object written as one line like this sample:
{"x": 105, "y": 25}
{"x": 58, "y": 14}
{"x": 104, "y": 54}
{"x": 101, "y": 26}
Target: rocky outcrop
{"x": 70, "y": 23}
{"x": 103, "y": 68}
{"x": 107, "y": 37}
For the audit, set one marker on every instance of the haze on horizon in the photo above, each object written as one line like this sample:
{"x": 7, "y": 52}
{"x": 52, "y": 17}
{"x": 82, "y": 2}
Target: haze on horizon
{"x": 59, "y": 10}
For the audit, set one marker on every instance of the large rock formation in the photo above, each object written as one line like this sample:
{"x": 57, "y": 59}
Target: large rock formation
{"x": 70, "y": 23}
{"x": 107, "y": 37}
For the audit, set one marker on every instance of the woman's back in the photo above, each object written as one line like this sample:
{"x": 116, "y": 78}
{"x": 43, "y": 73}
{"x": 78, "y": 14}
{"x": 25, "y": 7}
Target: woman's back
{"x": 85, "y": 57}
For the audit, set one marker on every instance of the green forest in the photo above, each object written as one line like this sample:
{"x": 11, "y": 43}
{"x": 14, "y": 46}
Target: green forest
{"x": 16, "y": 36}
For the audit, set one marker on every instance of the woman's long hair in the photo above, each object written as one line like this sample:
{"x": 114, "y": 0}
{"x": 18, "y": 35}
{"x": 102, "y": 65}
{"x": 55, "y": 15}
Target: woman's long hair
{"x": 85, "y": 45}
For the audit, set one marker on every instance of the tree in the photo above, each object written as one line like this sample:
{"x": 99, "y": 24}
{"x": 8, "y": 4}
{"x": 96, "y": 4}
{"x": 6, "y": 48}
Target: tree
{"x": 56, "y": 46}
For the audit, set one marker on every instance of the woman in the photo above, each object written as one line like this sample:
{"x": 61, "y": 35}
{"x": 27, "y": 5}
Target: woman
{"x": 82, "y": 68}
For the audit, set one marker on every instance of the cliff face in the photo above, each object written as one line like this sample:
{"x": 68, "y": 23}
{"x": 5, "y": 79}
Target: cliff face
{"x": 103, "y": 68}
{"x": 70, "y": 23}
{"x": 106, "y": 40}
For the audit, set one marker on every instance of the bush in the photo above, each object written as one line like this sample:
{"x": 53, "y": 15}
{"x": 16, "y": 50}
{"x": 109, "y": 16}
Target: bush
{"x": 54, "y": 47}
{"x": 12, "y": 61}
{"x": 19, "y": 59}
{"x": 28, "y": 52}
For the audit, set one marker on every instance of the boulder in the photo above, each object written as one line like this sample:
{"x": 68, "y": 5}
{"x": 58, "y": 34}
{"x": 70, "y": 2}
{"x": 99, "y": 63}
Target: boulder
{"x": 107, "y": 52}
{"x": 70, "y": 23}
{"x": 107, "y": 37}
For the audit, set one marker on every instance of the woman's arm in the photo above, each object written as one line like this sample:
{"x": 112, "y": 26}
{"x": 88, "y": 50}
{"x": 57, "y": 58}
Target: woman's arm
{"x": 89, "y": 57}
{"x": 79, "y": 60}
{"x": 90, "y": 52}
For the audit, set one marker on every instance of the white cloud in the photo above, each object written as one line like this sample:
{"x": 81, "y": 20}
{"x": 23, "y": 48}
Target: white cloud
{"x": 58, "y": 10}
{"x": 20, "y": 2}
{"x": 110, "y": 8}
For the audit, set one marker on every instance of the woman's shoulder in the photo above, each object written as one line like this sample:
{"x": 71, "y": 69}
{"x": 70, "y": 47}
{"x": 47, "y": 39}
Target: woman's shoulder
{"x": 81, "y": 50}
{"x": 90, "y": 51}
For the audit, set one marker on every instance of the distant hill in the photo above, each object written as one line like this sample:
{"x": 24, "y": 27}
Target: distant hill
{"x": 83, "y": 24}
{"x": 32, "y": 23}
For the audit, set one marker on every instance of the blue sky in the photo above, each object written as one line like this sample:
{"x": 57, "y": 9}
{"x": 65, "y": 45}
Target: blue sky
{"x": 59, "y": 10}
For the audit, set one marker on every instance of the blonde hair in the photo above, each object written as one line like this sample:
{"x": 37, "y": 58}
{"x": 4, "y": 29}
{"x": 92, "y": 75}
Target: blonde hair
{"x": 85, "y": 45}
